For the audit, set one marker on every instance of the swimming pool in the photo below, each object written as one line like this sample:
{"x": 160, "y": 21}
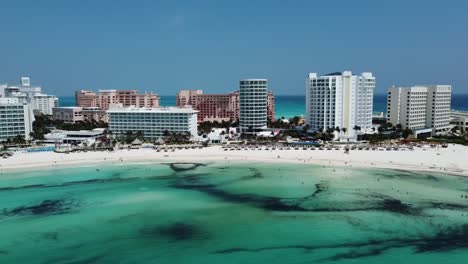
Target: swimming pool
{"x": 40, "y": 149}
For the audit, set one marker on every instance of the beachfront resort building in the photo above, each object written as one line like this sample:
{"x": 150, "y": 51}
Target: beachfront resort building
{"x": 253, "y": 98}
{"x": 39, "y": 102}
{"x": 218, "y": 107}
{"x": 459, "y": 119}
{"x": 16, "y": 119}
{"x": 72, "y": 114}
{"x": 425, "y": 109}
{"x": 340, "y": 100}
{"x": 88, "y": 137}
{"x": 106, "y": 98}
{"x": 154, "y": 123}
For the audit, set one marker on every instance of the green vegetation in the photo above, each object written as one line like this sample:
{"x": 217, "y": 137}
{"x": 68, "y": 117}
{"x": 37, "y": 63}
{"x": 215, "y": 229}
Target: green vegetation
{"x": 129, "y": 136}
{"x": 386, "y": 132}
{"x": 284, "y": 123}
{"x": 451, "y": 139}
{"x": 176, "y": 138}
{"x": 17, "y": 140}
{"x": 206, "y": 126}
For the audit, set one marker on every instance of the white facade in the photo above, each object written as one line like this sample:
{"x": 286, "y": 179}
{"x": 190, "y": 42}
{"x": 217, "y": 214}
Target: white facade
{"x": 2, "y": 90}
{"x": 459, "y": 119}
{"x": 32, "y": 95}
{"x": 153, "y": 122}
{"x": 74, "y": 137}
{"x": 253, "y": 104}
{"x": 340, "y": 100}
{"x": 44, "y": 103}
{"x": 420, "y": 107}
{"x": 15, "y": 119}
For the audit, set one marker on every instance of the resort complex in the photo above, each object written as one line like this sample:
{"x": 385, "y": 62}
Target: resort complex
{"x": 338, "y": 108}
{"x": 233, "y": 132}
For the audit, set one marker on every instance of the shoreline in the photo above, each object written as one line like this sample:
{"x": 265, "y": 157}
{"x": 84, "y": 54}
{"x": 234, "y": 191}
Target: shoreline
{"x": 443, "y": 161}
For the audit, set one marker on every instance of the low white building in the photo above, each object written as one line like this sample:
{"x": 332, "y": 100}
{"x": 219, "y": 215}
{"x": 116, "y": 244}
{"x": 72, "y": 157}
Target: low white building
{"x": 152, "y": 122}
{"x": 72, "y": 114}
{"x": 74, "y": 137}
{"x": 459, "y": 119}
{"x": 16, "y": 119}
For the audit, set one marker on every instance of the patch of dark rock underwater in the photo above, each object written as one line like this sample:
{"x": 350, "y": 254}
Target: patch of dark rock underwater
{"x": 177, "y": 231}
{"x": 454, "y": 238}
{"x": 46, "y": 207}
{"x": 85, "y": 182}
{"x": 184, "y": 166}
{"x": 294, "y": 204}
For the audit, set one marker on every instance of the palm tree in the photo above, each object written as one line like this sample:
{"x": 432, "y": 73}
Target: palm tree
{"x": 407, "y": 132}
{"x": 338, "y": 129}
{"x": 140, "y": 135}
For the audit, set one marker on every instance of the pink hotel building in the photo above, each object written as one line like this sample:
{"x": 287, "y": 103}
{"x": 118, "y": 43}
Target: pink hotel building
{"x": 106, "y": 98}
{"x": 218, "y": 107}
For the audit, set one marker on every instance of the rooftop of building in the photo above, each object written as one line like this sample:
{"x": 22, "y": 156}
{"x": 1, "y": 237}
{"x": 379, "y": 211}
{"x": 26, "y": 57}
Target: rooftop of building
{"x": 334, "y": 74}
{"x": 67, "y": 107}
{"x": 431, "y": 86}
{"x": 344, "y": 73}
{"x": 66, "y": 133}
{"x": 171, "y": 109}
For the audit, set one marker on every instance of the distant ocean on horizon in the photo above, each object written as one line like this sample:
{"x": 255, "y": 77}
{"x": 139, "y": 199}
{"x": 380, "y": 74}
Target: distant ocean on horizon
{"x": 293, "y": 105}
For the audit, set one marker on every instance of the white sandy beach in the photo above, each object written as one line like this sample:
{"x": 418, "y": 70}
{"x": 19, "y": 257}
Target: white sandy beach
{"x": 452, "y": 160}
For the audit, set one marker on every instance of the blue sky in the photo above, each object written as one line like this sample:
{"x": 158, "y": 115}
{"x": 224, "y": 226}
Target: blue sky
{"x": 165, "y": 46}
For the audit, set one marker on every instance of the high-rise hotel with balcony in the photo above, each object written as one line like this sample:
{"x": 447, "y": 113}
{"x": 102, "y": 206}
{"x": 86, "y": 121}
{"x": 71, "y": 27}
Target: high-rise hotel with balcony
{"x": 425, "y": 109}
{"x": 16, "y": 119}
{"x": 218, "y": 107}
{"x": 340, "y": 100}
{"x": 253, "y": 104}
{"x": 152, "y": 122}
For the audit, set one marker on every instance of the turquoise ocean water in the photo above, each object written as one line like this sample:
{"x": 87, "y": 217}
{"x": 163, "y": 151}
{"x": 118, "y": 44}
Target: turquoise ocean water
{"x": 231, "y": 213}
{"x": 294, "y": 105}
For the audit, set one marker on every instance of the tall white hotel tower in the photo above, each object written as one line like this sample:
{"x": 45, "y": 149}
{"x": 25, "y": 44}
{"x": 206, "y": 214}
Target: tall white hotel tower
{"x": 253, "y": 104}
{"x": 425, "y": 109}
{"x": 340, "y": 100}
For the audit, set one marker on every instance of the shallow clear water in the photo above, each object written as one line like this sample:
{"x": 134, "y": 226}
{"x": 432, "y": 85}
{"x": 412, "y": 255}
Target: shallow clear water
{"x": 231, "y": 213}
